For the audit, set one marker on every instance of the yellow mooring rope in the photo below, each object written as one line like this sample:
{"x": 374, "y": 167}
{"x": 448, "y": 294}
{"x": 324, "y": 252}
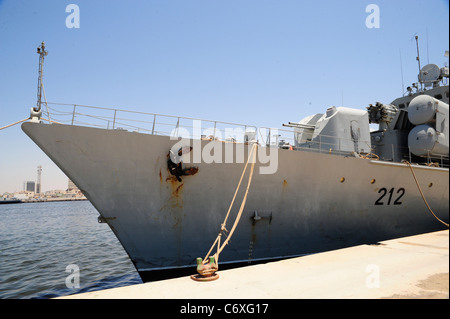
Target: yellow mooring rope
{"x": 1, "y": 128}
{"x": 421, "y": 193}
{"x": 251, "y": 156}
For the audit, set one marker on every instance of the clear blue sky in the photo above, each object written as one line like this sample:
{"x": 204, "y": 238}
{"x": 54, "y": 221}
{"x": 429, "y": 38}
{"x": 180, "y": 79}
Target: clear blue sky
{"x": 260, "y": 62}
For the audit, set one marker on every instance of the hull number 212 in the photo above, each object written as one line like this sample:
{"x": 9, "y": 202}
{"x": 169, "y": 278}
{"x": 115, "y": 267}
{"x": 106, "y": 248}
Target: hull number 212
{"x": 388, "y": 197}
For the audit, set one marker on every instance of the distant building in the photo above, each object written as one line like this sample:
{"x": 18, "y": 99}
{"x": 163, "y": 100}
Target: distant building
{"x": 55, "y": 193}
{"x": 38, "y": 184}
{"x": 29, "y": 186}
{"x": 74, "y": 191}
{"x": 23, "y": 195}
{"x": 71, "y": 186}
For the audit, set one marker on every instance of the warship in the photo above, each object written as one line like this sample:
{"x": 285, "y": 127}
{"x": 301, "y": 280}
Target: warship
{"x": 164, "y": 184}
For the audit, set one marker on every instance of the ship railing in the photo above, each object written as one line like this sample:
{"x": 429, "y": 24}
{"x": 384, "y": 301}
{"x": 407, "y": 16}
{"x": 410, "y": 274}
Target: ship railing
{"x": 429, "y": 159}
{"x": 295, "y": 139}
{"x": 145, "y": 122}
{"x": 177, "y": 126}
{"x": 395, "y": 153}
{"x": 399, "y": 154}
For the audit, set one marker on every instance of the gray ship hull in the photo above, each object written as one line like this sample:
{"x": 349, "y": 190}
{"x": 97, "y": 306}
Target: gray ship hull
{"x": 314, "y": 202}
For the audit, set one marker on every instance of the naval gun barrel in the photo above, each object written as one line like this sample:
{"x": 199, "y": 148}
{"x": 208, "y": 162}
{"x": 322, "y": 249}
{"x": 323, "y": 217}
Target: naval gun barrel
{"x": 299, "y": 125}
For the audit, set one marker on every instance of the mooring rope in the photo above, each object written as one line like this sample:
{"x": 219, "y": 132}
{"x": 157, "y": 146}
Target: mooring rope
{"x": 423, "y": 196}
{"x": 51, "y": 121}
{"x": 1, "y": 128}
{"x": 18, "y": 122}
{"x": 220, "y": 247}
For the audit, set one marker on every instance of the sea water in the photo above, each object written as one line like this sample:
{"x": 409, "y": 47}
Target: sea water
{"x": 52, "y": 249}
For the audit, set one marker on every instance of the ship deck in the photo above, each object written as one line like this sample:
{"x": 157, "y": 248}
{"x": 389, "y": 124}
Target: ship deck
{"x": 410, "y": 267}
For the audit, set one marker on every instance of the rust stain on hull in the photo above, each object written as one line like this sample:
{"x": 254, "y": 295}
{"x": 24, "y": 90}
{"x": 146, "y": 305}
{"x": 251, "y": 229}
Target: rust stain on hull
{"x": 176, "y": 191}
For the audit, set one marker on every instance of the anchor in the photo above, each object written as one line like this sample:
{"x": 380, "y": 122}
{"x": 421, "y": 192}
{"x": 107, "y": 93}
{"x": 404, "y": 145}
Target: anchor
{"x": 177, "y": 169}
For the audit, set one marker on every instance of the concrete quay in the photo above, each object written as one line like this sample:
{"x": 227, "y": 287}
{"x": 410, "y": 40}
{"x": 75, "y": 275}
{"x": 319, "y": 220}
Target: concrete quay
{"x": 415, "y": 267}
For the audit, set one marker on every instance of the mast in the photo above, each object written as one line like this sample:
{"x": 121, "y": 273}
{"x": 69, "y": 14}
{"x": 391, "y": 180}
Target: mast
{"x": 418, "y": 60}
{"x": 42, "y": 53}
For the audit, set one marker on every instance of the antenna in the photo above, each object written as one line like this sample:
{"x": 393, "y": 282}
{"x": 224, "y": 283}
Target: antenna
{"x": 42, "y": 53}
{"x": 428, "y": 54}
{"x": 418, "y": 57}
{"x": 401, "y": 71}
